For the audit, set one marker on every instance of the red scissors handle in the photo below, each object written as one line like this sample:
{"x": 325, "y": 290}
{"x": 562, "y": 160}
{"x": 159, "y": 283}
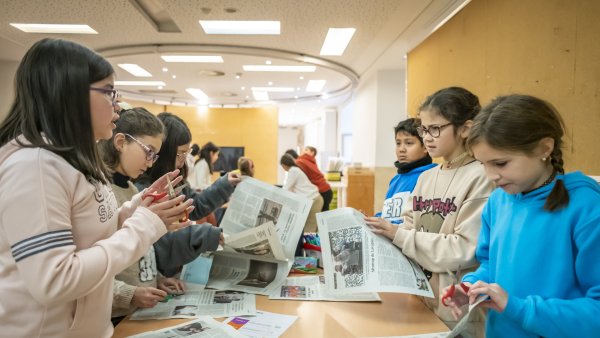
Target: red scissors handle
{"x": 155, "y": 196}
{"x": 451, "y": 290}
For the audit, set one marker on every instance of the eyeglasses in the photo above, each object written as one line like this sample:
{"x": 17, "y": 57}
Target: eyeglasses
{"x": 434, "y": 131}
{"x": 182, "y": 156}
{"x": 150, "y": 154}
{"x": 112, "y": 92}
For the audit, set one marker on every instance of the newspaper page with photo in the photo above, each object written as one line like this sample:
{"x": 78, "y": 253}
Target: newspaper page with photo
{"x": 357, "y": 260}
{"x": 313, "y": 288}
{"x": 254, "y": 203}
{"x": 203, "y": 327}
{"x": 243, "y": 272}
{"x": 201, "y": 303}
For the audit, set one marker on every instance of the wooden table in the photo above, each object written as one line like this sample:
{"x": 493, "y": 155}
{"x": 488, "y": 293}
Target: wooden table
{"x": 397, "y": 314}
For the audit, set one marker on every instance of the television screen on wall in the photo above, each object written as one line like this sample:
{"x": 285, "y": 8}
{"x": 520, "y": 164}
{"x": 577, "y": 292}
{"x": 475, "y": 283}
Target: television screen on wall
{"x": 228, "y": 157}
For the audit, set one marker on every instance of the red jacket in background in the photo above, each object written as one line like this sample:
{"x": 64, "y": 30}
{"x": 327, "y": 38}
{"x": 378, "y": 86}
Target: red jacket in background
{"x": 308, "y": 164}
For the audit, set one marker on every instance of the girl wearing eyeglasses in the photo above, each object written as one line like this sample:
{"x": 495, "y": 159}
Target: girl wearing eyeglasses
{"x": 133, "y": 149}
{"x": 441, "y": 227}
{"x": 173, "y": 152}
{"x": 63, "y": 236}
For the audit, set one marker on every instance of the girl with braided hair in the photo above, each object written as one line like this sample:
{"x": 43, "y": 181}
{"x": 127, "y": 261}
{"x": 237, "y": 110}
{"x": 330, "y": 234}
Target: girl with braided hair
{"x": 538, "y": 245}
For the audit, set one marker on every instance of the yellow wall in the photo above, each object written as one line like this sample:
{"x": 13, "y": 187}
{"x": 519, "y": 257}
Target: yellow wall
{"x": 255, "y": 129}
{"x": 545, "y": 48}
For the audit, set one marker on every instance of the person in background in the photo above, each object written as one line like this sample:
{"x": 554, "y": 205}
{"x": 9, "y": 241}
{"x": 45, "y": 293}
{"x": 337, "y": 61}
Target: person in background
{"x": 246, "y": 166}
{"x": 190, "y": 160}
{"x": 296, "y": 181}
{"x": 173, "y": 152}
{"x": 63, "y": 236}
{"x": 203, "y": 169}
{"x": 307, "y": 162}
{"x": 412, "y": 161}
{"x": 538, "y": 245}
{"x": 440, "y": 231}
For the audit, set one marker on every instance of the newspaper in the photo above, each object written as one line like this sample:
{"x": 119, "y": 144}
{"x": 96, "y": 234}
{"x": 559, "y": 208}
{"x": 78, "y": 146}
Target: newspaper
{"x": 262, "y": 226}
{"x": 313, "y": 288}
{"x": 357, "y": 260}
{"x": 462, "y": 324}
{"x": 263, "y": 325}
{"x": 201, "y": 303}
{"x": 201, "y": 327}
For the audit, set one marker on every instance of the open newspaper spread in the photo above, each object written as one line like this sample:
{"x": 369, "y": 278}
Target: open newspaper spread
{"x": 262, "y": 226}
{"x": 196, "y": 303}
{"x": 313, "y": 288}
{"x": 203, "y": 327}
{"x": 357, "y": 260}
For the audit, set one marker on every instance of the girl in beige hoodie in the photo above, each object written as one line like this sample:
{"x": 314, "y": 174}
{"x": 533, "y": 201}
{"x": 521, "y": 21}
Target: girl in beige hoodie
{"x": 62, "y": 237}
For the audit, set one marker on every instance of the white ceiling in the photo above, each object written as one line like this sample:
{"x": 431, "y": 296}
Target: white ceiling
{"x": 385, "y": 31}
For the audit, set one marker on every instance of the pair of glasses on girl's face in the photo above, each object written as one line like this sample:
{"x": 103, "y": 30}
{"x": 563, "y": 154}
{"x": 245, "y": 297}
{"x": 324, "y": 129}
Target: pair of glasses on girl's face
{"x": 434, "y": 131}
{"x": 183, "y": 155}
{"x": 150, "y": 154}
{"x": 110, "y": 93}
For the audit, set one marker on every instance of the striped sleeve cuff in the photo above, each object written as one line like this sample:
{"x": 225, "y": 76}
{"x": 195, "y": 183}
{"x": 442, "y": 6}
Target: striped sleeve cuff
{"x": 40, "y": 243}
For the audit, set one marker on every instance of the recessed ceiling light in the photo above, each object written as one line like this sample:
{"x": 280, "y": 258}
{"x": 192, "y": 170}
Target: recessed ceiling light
{"x": 298, "y": 88}
{"x": 273, "y": 89}
{"x": 260, "y": 96}
{"x": 296, "y": 96}
{"x": 240, "y": 27}
{"x": 193, "y": 58}
{"x": 165, "y": 69}
{"x": 271, "y": 68}
{"x": 160, "y": 87}
{"x": 270, "y": 83}
{"x": 315, "y": 86}
{"x": 301, "y": 77}
{"x": 139, "y": 83}
{"x": 198, "y": 93}
{"x": 337, "y": 40}
{"x": 174, "y": 76}
{"x": 243, "y": 88}
{"x": 237, "y": 77}
{"x": 53, "y": 28}
{"x": 268, "y": 62}
{"x": 135, "y": 70}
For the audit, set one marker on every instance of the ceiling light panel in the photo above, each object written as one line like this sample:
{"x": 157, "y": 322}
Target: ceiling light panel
{"x": 315, "y": 86}
{"x": 139, "y": 83}
{"x": 337, "y": 40}
{"x": 273, "y": 89}
{"x": 241, "y": 27}
{"x": 53, "y": 28}
{"x": 193, "y": 58}
{"x": 135, "y": 70}
{"x": 260, "y": 96}
{"x": 198, "y": 94}
{"x": 271, "y": 68}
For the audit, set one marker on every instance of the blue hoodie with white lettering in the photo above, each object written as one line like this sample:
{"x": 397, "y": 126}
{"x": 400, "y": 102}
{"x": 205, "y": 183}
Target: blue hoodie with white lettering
{"x": 548, "y": 262}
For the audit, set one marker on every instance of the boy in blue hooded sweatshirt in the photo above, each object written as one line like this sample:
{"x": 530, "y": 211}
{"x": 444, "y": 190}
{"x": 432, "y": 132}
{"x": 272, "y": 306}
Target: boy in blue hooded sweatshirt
{"x": 412, "y": 160}
{"x": 538, "y": 246}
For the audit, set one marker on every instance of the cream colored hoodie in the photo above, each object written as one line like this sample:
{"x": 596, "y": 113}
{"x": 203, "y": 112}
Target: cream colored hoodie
{"x": 60, "y": 248}
{"x": 441, "y": 229}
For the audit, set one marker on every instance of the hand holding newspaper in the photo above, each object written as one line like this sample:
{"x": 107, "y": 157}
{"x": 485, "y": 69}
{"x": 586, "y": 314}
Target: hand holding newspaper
{"x": 357, "y": 260}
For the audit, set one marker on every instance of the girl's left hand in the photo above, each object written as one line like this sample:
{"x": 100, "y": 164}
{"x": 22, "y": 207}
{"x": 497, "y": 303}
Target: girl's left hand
{"x": 234, "y": 178}
{"x": 380, "y": 226}
{"x": 498, "y": 297}
{"x": 171, "y": 285}
{"x": 160, "y": 185}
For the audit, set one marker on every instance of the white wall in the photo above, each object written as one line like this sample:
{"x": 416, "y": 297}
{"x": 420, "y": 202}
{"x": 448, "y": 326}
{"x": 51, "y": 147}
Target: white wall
{"x": 391, "y": 109}
{"x": 7, "y": 76}
{"x": 364, "y": 121}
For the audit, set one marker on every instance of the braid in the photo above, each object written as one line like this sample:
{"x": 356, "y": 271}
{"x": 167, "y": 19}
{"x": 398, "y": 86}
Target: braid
{"x": 559, "y": 196}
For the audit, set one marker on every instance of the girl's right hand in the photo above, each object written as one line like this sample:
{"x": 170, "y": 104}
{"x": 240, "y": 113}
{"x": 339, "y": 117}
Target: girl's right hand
{"x": 380, "y": 226}
{"x": 459, "y": 299}
{"x": 147, "y": 297}
{"x": 234, "y": 178}
{"x": 171, "y": 211}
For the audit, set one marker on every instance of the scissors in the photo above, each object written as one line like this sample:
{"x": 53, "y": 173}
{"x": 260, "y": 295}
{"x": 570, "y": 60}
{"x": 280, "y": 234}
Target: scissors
{"x": 172, "y": 193}
{"x": 450, "y": 292}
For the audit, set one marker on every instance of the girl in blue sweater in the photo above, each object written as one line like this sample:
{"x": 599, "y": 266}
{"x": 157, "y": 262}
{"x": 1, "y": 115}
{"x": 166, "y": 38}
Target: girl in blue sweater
{"x": 540, "y": 233}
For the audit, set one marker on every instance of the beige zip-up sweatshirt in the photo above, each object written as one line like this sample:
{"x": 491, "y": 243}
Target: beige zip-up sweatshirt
{"x": 62, "y": 241}
{"x": 441, "y": 229}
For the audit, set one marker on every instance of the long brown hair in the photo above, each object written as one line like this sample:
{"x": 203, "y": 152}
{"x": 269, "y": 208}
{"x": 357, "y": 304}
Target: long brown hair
{"x": 517, "y": 123}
